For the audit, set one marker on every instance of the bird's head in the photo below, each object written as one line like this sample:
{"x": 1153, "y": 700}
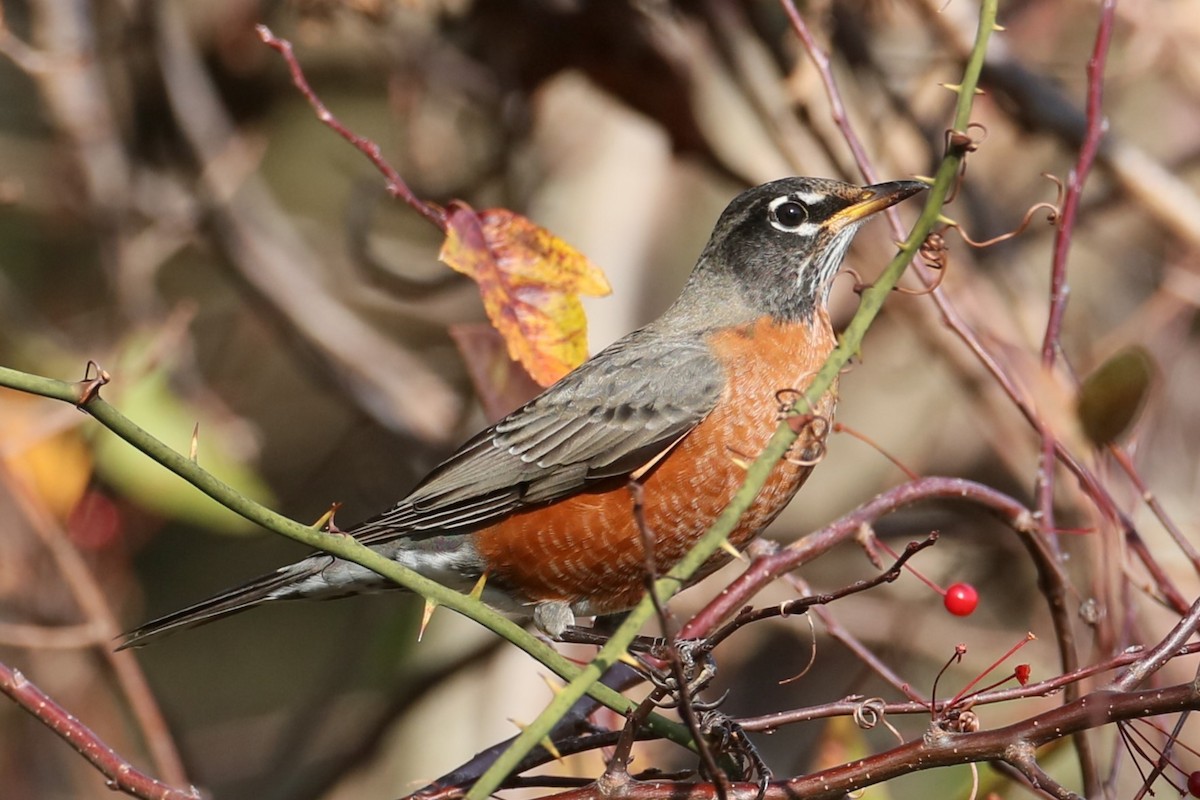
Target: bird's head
{"x": 776, "y": 247}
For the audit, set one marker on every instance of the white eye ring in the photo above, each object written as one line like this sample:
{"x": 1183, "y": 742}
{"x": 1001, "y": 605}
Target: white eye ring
{"x": 788, "y": 215}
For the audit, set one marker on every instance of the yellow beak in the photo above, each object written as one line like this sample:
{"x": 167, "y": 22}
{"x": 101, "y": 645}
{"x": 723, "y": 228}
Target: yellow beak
{"x": 874, "y": 199}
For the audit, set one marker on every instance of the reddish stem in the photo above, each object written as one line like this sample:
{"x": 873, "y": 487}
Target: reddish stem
{"x": 1096, "y": 125}
{"x": 837, "y": 108}
{"x": 395, "y": 184}
{"x": 1151, "y": 500}
{"x": 1029, "y": 637}
{"x": 120, "y": 773}
{"x": 765, "y": 569}
{"x": 916, "y": 573}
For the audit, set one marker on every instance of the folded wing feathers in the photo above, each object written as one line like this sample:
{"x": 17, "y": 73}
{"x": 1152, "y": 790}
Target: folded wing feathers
{"x": 579, "y": 431}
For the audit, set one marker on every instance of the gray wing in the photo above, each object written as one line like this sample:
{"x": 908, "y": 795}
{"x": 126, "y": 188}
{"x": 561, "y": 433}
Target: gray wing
{"x": 587, "y": 427}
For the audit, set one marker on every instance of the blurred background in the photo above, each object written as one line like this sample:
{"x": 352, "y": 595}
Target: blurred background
{"x": 171, "y": 208}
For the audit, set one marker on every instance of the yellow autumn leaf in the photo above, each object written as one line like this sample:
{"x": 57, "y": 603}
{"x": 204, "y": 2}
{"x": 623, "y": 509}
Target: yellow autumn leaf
{"x": 530, "y": 281}
{"x": 45, "y": 449}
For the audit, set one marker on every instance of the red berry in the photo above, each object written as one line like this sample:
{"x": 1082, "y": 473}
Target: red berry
{"x": 1022, "y": 673}
{"x": 1194, "y": 784}
{"x": 961, "y": 599}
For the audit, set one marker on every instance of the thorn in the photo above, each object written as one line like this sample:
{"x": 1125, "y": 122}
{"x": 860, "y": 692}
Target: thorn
{"x": 550, "y": 748}
{"x": 740, "y": 462}
{"x": 628, "y": 660}
{"x": 426, "y": 615}
{"x": 477, "y": 590}
{"x": 954, "y": 87}
{"x": 546, "y": 743}
{"x": 733, "y": 551}
{"x": 90, "y": 387}
{"x": 555, "y": 686}
{"x": 927, "y": 179}
{"x": 998, "y": 28}
{"x": 942, "y": 218}
{"x": 325, "y": 521}
{"x": 194, "y": 447}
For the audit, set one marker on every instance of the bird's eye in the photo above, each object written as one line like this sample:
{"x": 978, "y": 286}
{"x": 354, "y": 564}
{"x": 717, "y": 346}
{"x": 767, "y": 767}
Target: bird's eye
{"x": 787, "y": 215}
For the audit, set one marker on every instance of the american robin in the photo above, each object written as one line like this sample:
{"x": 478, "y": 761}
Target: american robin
{"x": 539, "y": 502}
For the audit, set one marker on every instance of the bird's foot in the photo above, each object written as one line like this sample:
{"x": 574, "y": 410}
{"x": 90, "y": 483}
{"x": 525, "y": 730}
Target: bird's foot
{"x": 729, "y": 739}
{"x": 688, "y": 659}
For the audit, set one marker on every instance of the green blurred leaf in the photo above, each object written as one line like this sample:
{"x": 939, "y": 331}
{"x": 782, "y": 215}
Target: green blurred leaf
{"x": 151, "y": 401}
{"x": 1112, "y": 397}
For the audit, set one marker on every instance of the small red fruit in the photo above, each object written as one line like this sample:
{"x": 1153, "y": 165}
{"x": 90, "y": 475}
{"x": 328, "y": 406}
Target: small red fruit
{"x": 1022, "y": 673}
{"x": 1194, "y": 784}
{"x": 961, "y": 599}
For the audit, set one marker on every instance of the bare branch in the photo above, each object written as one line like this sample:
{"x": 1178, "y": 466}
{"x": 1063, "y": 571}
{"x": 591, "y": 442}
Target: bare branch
{"x": 120, "y": 773}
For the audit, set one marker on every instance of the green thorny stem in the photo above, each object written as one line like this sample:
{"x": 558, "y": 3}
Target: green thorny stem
{"x": 777, "y": 447}
{"x": 337, "y": 544}
{"x": 583, "y": 681}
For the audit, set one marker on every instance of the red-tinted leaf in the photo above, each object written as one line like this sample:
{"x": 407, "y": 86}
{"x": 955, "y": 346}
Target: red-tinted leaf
{"x": 530, "y": 281}
{"x": 501, "y": 384}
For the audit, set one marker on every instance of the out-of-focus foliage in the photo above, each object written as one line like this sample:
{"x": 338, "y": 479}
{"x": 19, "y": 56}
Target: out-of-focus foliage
{"x": 164, "y": 189}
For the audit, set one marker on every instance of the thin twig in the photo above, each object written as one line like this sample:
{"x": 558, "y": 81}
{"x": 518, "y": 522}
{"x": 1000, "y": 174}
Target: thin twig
{"x": 395, "y": 184}
{"x": 1163, "y": 652}
{"x": 44, "y": 637}
{"x": 94, "y": 605}
{"x": 801, "y": 604}
{"x": 766, "y": 568}
{"x": 120, "y": 773}
{"x": 1152, "y": 502}
{"x": 917, "y": 705}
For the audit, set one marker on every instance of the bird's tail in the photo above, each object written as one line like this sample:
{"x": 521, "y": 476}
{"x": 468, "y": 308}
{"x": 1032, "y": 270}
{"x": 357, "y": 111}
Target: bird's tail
{"x": 268, "y": 587}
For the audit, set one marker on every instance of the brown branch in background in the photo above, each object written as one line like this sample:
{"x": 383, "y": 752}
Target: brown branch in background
{"x": 852, "y": 643}
{"x": 1096, "y": 126}
{"x": 837, "y": 108}
{"x": 94, "y": 606}
{"x": 1151, "y": 500}
{"x": 263, "y": 245}
{"x": 1058, "y": 299}
{"x": 395, "y": 184}
{"x": 120, "y": 773}
{"x": 42, "y": 637}
{"x": 74, "y": 89}
{"x": 20, "y": 53}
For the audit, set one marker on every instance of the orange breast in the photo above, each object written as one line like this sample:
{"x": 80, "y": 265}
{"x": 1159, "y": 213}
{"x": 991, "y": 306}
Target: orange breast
{"x": 587, "y": 549}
